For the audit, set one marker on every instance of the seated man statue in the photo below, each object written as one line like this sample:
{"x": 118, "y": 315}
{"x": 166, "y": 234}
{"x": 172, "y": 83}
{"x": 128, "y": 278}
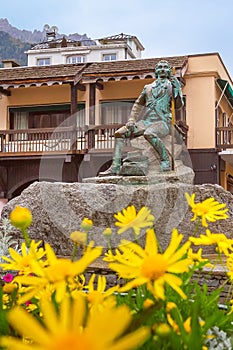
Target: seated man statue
{"x": 151, "y": 117}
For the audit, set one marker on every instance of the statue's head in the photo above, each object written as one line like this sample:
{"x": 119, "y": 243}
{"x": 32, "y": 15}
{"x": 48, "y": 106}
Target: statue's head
{"x": 163, "y": 69}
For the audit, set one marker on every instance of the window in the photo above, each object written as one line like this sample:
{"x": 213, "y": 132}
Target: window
{"x": 43, "y": 61}
{"x": 76, "y": 59}
{"x": 109, "y": 57}
{"x": 40, "y": 117}
{"x": 115, "y": 112}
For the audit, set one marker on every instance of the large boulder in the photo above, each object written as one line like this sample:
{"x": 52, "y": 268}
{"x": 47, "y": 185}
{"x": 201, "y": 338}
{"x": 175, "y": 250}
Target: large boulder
{"x": 58, "y": 209}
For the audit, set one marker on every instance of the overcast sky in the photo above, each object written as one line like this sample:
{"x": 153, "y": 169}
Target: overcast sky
{"x": 164, "y": 27}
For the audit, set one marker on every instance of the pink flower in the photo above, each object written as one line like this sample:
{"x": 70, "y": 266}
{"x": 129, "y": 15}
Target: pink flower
{"x": 8, "y": 278}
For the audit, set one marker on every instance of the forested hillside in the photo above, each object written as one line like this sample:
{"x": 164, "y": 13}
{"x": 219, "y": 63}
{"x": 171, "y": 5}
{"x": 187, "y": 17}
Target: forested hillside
{"x": 13, "y": 48}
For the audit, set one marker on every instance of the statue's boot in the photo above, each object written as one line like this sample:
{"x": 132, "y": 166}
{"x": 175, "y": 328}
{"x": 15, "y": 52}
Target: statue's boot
{"x": 114, "y": 168}
{"x": 116, "y": 163}
{"x": 165, "y": 164}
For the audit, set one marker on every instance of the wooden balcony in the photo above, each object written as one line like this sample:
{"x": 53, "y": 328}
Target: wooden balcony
{"x": 224, "y": 137}
{"x": 58, "y": 140}
{"x": 66, "y": 140}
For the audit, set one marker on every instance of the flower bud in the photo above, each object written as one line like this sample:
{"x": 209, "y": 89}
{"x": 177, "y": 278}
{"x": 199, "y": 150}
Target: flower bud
{"x": 86, "y": 224}
{"x": 107, "y": 232}
{"x": 21, "y": 217}
{"x": 79, "y": 237}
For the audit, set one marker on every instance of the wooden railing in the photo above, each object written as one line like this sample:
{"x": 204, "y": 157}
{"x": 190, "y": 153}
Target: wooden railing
{"x": 66, "y": 139}
{"x": 101, "y": 136}
{"x": 57, "y": 140}
{"x": 224, "y": 137}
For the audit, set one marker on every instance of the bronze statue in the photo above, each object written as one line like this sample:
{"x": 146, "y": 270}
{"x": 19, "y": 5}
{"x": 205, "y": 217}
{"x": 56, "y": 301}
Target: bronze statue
{"x": 151, "y": 117}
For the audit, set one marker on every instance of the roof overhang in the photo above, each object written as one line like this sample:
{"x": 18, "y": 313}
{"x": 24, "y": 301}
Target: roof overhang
{"x": 224, "y": 85}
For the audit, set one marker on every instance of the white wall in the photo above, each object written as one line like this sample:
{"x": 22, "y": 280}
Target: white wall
{"x": 92, "y": 53}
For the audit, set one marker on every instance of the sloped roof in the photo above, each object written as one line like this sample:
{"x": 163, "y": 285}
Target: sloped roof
{"x": 136, "y": 65}
{"x": 122, "y": 37}
{"x": 22, "y": 74}
{"x": 65, "y": 73}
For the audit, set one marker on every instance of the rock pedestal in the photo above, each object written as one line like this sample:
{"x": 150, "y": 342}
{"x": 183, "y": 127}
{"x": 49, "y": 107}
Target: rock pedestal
{"x": 59, "y": 208}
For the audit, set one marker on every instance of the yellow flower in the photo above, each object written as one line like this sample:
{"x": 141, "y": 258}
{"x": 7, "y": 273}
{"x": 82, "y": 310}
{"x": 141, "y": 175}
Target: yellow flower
{"x": 229, "y": 264}
{"x": 9, "y": 287}
{"x": 209, "y": 209}
{"x": 57, "y": 273}
{"x": 110, "y": 257}
{"x": 197, "y": 257}
{"x": 129, "y": 218}
{"x": 223, "y": 244}
{"x": 79, "y": 237}
{"x": 162, "y": 329}
{"x": 148, "y": 266}
{"x": 21, "y": 217}
{"x": 148, "y": 303}
{"x": 24, "y": 261}
{"x": 174, "y": 325}
{"x": 73, "y": 328}
{"x": 170, "y": 306}
{"x": 99, "y": 294}
{"x": 86, "y": 224}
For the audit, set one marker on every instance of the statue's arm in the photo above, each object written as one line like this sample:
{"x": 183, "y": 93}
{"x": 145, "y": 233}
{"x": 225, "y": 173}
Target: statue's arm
{"x": 137, "y": 108}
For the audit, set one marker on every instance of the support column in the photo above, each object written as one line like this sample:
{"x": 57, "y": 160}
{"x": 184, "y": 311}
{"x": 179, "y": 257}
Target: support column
{"x": 92, "y": 97}
{"x": 73, "y": 116}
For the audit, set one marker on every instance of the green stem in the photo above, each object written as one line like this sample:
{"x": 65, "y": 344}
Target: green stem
{"x": 197, "y": 227}
{"x": 75, "y": 248}
{"x": 26, "y": 237}
{"x": 109, "y": 244}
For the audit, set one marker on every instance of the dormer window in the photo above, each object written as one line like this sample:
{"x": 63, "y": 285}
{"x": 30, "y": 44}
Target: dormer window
{"x": 43, "y": 62}
{"x": 76, "y": 59}
{"x": 109, "y": 57}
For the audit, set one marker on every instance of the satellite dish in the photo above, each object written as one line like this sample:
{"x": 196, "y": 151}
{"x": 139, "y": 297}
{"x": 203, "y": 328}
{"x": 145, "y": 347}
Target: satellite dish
{"x": 46, "y": 27}
{"x": 54, "y": 29}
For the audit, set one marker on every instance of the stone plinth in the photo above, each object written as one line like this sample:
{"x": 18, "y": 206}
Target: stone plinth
{"x": 181, "y": 174}
{"x": 59, "y": 208}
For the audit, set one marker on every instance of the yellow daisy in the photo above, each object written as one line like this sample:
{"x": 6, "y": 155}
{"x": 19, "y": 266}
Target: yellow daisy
{"x": 57, "y": 273}
{"x": 223, "y": 244}
{"x": 98, "y": 294}
{"x": 148, "y": 266}
{"x": 197, "y": 257}
{"x": 23, "y": 262}
{"x": 229, "y": 265}
{"x": 209, "y": 209}
{"x": 72, "y": 328}
{"x": 130, "y": 219}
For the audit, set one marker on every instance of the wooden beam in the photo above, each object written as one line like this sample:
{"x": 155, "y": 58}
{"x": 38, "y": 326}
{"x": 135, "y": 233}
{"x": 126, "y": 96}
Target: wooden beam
{"x": 73, "y": 98}
{"x": 5, "y": 92}
{"x": 81, "y": 87}
{"x": 99, "y": 86}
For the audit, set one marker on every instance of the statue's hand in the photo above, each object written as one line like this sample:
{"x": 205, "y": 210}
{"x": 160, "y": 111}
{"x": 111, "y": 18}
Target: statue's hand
{"x": 130, "y": 124}
{"x": 175, "y": 82}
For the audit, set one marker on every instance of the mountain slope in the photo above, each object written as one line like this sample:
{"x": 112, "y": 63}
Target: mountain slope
{"x": 13, "y": 48}
{"x": 36, "y": 36}
{"x": 14, "y": 42}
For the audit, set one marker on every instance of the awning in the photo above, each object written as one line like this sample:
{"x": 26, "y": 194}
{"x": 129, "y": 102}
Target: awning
{"x": 228, "y": 92}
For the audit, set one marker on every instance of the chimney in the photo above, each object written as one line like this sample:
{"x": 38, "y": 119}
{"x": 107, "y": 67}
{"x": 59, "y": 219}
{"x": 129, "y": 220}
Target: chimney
{"x": 10, "y": 63}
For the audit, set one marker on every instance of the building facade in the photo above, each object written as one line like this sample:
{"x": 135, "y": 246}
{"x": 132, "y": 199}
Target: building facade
{"x": 57, "y": 122}
{"x": 62, "y": 51}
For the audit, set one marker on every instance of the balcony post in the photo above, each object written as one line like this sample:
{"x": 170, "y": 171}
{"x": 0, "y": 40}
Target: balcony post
{"x": 73, "y": 116}
{"x": 92, "y": 103}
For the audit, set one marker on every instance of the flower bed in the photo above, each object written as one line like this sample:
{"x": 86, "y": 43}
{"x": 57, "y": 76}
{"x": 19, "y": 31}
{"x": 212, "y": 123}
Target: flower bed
{"x": 162, "y": 299}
